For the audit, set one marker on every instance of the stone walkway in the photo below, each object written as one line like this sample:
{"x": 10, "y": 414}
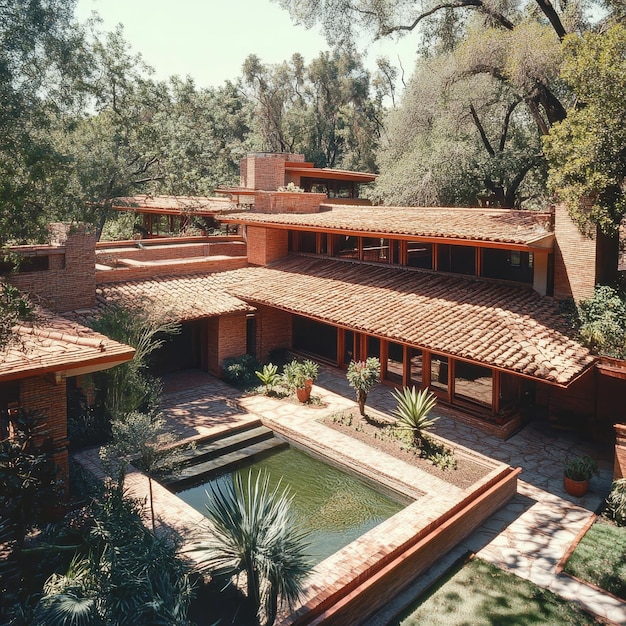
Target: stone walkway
{"x": 528, "y": 537}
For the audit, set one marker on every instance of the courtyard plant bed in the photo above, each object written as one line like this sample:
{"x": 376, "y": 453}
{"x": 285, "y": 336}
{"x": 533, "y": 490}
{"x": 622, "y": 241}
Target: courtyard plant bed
{"x": 599, "y": 557}
{"x": 434, "y": 457}
{"x": 481, "y": 594}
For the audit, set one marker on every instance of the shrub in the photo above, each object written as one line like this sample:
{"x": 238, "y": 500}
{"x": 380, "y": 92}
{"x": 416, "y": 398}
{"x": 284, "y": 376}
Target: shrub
{"x": 580, "y": 468}
{"x": 616, "y": 502}
{"x": 413, "y": 411}
{"x": 240, "y": 371}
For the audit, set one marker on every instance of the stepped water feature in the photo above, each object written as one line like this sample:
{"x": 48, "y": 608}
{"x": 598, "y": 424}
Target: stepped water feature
{"x": 218, "y": 454}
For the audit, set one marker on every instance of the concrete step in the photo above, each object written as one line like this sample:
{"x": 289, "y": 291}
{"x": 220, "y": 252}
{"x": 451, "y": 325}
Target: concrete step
{"x": 206, "y": 449}
{"x": 185, "y": 476}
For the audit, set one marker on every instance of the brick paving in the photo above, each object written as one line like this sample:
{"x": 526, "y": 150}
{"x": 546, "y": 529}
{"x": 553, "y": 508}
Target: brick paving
{"x": 528, "y": 536}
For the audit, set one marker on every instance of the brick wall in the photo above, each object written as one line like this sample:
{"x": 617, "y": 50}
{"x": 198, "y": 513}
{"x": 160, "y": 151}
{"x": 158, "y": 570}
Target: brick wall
{"x": 231, "y": 337}
{"x": 261, "y": 170}
{"x": 70, "y": 281}
{"x": 287, "y": 202}
{"x": 619, "y": 471}
{"x": 50, "y": 399}
{"x": 208, "y": 265}
{"x": 580, "y": 261}
{"x": 266, "y": 244}
{"x": 274, "y": 330}
{"x": 110, "y": 256}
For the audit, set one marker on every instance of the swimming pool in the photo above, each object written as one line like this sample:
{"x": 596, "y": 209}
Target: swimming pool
{"x": 333, "y": 506}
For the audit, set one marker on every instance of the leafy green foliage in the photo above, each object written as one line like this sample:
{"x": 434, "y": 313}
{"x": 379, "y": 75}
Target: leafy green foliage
{"x": 413, "y": 411}
{"x": 122, "y": 574}
{"x": 145, "y": 441}
{"x": 255, "y": 533}
{"x": 362, "y": 376}
{"x": 15, "y": 307}
{"x": 601, "y": 322}
{"x": 586, "y": 150}
{"x": 129, "y": 387}
{"x": 616, "y": 502}
{"x": 580, "y": 467}
{"x": 268, "y": 376}
{"x": 240, "y": 371}
{"x": 27, "y": 473}
{"x": 296, "y": 373}
{"x": 326, "y": 110}
{"x": 599, "y": 558}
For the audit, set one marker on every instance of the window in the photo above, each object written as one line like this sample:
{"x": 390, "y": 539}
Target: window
{"x": 346, "y": 246}
{"x": 307, "y": 242}
{"x": 473, "y": 382}
{"x": 456, "y": 259}
{"x": 395, "y": 362}
{"x": 420, "y": 255}
{"x": 415, "y": 363}
{"x": 507, "y": 265}
{"x": 439, "y": 372}
{"x": 376, "y": 249}
{"x": 315, "y": 337}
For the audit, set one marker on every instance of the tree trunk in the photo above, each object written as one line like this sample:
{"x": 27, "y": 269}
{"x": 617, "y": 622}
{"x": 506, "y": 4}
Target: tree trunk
{"x": 361, "y": 397}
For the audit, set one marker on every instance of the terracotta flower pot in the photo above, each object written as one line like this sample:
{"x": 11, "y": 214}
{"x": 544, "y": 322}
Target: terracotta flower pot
{"x": 304, "y": 393}
{"x": 576, "y": 488}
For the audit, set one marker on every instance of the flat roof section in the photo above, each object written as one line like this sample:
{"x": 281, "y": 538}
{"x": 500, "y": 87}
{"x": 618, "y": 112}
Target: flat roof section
{"x": 502, "y": 226}
{"x": 168, "y": 205}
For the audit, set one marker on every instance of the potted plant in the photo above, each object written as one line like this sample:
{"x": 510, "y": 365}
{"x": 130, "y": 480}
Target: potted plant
{"x": 300, "y": 376}
{"x": 577, "y": 474}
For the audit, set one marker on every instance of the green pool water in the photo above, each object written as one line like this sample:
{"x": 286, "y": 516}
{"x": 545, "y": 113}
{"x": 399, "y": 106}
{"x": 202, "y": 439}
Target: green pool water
{"x": 334, "y": 507}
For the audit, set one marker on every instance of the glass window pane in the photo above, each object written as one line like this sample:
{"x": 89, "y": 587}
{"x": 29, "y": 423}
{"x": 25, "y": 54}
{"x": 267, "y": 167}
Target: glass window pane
{"x": 376, "y": 249}
{"x": 473, "y": 382}
{"x": 415, "y": 360}
{"x": 439, "y": 372}
{"x": 420, "y": 255}
{"x": 395, "y": 362}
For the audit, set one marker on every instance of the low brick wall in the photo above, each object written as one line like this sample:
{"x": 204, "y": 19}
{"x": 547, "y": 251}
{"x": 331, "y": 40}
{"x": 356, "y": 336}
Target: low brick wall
{"x": 287, "y": 202}
{"x": 205, "y": 265}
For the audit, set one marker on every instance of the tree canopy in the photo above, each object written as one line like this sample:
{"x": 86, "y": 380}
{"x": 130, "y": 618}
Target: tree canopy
{"x": 587, "y": 150}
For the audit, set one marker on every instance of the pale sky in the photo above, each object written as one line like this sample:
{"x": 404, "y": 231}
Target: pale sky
{"x": 209, "y": 39}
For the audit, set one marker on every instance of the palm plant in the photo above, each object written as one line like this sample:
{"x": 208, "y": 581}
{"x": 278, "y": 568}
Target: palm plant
{"x": 362, "y": 376}
{"x": 255, "y": 533}
{"x": 413, "y": 411}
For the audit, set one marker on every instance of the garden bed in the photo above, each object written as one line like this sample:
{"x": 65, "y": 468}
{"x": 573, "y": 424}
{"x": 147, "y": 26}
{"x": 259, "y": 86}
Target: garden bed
{"x": 448, "y": 463}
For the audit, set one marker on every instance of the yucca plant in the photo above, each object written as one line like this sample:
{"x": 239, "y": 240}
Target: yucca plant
{"x": 413, "y": 411}
{"x": 256, "y": 534}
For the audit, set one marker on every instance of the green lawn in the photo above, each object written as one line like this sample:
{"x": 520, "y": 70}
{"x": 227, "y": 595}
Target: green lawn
{"x": 600, "y": 558}
{"x": 480, "y": 594}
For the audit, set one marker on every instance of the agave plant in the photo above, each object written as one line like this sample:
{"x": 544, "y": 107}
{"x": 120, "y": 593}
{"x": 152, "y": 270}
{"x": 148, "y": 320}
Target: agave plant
{"x": 413, "y": 411}
{"x": 255, "y": 533}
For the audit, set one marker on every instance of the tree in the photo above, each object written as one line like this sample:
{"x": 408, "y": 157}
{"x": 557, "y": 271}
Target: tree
{"x": 601, "y": 322}
{"x": 15, "y": 308}
{"x": 254, "y": 532}
{"x": 144, "y": 440}
{"x": 43, "y": 58}
{"x": 327, "y": 110}
{"x": 362, "y": 376}
{"x": 457, "y": 138}
{"x": 130, "y": 387}
{"x": 587, "y": 151}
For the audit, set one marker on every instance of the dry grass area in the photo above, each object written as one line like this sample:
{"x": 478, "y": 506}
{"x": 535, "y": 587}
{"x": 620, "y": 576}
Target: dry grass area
{"x": 435, "y": 458}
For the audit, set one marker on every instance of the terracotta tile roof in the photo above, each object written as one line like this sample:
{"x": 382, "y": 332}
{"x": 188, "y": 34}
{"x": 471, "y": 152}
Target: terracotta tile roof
{"x": 493, "y": 225}
{"x": 178, "y": 298}
{"x": 58, "y": 344}
{"x": 183, "y": 204}
{"x": 507, "y": 327}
